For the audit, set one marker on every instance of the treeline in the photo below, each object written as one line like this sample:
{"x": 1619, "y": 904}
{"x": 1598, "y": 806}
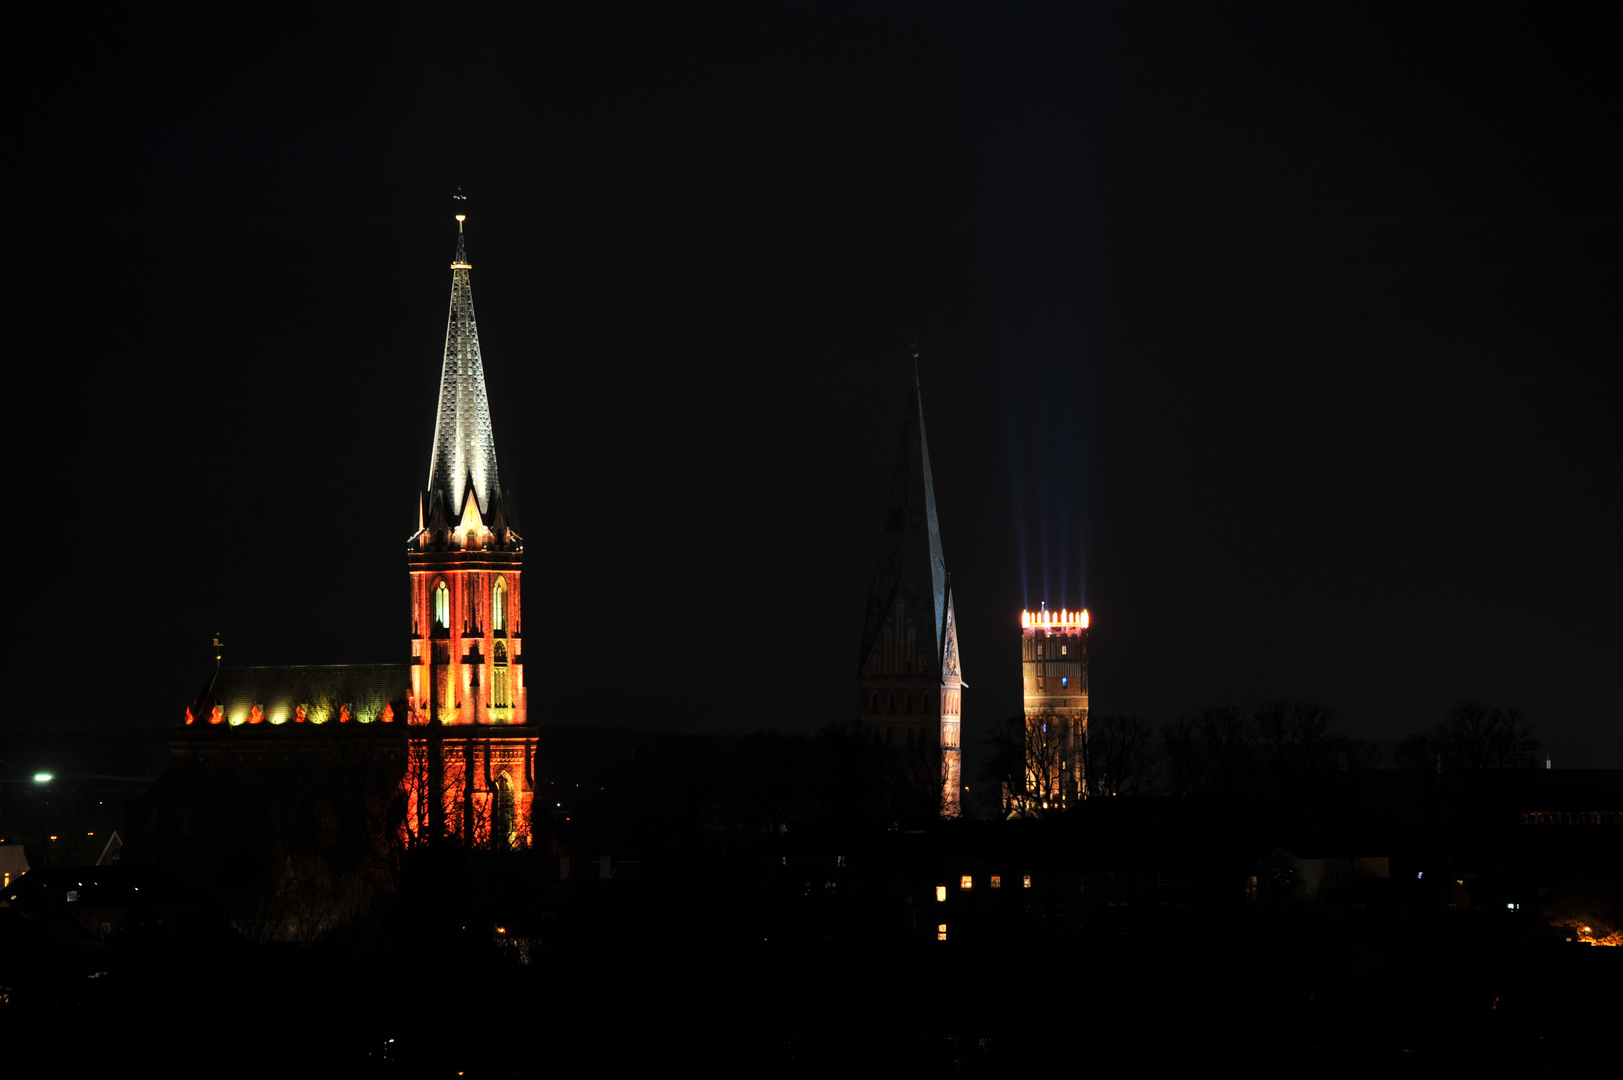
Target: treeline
{"x": 1282, "y": 754}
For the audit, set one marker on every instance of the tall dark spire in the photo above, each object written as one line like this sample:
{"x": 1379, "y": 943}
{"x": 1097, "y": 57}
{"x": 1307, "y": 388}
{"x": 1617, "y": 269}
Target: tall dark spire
{"x": 910, "y": 564}
{"x": 464, "y": 452}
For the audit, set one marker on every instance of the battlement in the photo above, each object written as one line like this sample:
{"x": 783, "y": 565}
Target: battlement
{"x": 1050, "y": 623}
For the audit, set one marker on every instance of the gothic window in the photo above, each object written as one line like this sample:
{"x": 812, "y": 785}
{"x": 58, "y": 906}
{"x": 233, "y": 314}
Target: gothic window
{"x": 503, "y": 831}
{"x": 873, "y": 703}
{"x": 910, "y": 703}
{"x": 911, "y": 736}
{"x": 498, "y": 605}
{"x": 501, "y": 693}
{"x": 893, "y": 703}
{"x": 442, "y": 606}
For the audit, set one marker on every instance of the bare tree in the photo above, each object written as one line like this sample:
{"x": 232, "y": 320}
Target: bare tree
{"x": 1039, "y": 763}
{"x": 1120, "y": 756}
{"x": 1472, "y": 740}
{"x": 1211, "y": 754}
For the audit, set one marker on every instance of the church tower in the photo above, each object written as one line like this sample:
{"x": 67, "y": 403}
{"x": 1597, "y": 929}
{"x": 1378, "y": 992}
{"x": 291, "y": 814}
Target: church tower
{"x": 471, "y": 771}
{"x": 909, "y": 684}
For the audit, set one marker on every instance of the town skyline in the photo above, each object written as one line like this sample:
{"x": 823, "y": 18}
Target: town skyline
{"x": 1292, "y": 418}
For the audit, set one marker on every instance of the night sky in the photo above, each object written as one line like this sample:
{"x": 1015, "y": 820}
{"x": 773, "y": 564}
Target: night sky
{"x": 1283, "y": 338}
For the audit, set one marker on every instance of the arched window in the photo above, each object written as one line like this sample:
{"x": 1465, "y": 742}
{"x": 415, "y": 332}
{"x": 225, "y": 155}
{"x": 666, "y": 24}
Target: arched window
{"x": 501, "y": 694}
{"x": 503, "y": 821}
{"x": 498, "y": 605}
{"x": 442, "y": 605}
{"x": 873, "y": 703}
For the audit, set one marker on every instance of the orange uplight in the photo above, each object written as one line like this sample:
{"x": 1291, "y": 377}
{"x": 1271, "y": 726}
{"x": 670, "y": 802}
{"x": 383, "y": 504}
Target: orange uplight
{"x": 343, "y": 714}
{"x": 217, "y": 716}
{"x": 190, "y": 719}
{"x": 298, "y": 715}
{"x": 387, "y": 715}
{"x": 256, "y": 715}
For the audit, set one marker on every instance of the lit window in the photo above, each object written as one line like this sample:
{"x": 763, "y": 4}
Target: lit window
{"x": 997, "y": 881}
{"x": 498, "y": 606}
{"x": 941, "y": 932}
{"x": 501, "y": 688}
{"x": 442, "y": 606}
{"x": 941, "y": 894}
{"x": 966, "y": 882}
{"x": 1062, "y": 650}
{"x": 1025, "y": 882}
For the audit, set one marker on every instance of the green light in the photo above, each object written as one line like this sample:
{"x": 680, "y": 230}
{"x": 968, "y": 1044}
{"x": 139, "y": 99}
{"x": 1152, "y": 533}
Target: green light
{"x": 42, "y": 778}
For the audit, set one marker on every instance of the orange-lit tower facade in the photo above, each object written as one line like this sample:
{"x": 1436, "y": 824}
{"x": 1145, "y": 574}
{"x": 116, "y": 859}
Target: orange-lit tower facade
{"x": 471, "y": 765}
{"x": 909, "y": 680}
{"x": 1054, "y": 671}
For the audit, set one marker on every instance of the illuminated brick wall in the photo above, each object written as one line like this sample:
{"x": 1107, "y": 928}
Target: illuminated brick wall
{"x": 1054, "y": 678}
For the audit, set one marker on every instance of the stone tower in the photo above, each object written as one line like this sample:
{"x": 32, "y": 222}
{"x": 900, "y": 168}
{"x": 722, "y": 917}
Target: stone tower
{"x": 1054, "y": 672}
{"x": 909, "y": 681}
{"x": 471, "y": 770}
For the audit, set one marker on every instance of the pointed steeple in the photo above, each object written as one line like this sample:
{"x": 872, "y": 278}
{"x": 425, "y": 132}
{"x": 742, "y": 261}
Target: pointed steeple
{"x": 464, "y": 455}
{"x": 911, "y": 566}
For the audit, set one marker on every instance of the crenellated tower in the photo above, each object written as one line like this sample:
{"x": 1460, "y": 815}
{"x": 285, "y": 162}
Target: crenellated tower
{"x": 1054, "y": 676}
{"x": 909, "y": 681}
{"x": 468, "y": 692}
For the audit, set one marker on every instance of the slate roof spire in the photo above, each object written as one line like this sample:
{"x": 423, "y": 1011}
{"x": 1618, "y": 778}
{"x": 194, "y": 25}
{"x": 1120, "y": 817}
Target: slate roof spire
{"x": 910, "y": 562}
{"x": 464, "y": 454}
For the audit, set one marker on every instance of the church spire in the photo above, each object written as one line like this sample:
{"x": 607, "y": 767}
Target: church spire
{"x": 910, "y": 567}
{"x": 464, "y": 454}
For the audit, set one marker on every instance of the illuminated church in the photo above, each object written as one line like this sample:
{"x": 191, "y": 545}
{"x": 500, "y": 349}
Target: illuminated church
{"x": 451, "y": 725}
{"x": 909, "y": 681}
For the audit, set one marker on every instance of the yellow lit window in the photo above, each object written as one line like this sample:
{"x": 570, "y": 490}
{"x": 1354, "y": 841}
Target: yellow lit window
{"x": 966, "y": 882}
{"x": 941, "y": 893}
{"x": 1025, "y": 882}
{"x": 997, "y": 882}
{"x": 941, "y": 932}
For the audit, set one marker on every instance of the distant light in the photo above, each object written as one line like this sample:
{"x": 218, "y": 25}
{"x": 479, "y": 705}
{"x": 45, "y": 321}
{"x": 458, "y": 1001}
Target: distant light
{"x": 42, "y": 778}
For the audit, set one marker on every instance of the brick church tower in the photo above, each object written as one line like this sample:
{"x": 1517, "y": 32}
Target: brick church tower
{"x": 909, "y": 683}
{"x": 471, "y": 760}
